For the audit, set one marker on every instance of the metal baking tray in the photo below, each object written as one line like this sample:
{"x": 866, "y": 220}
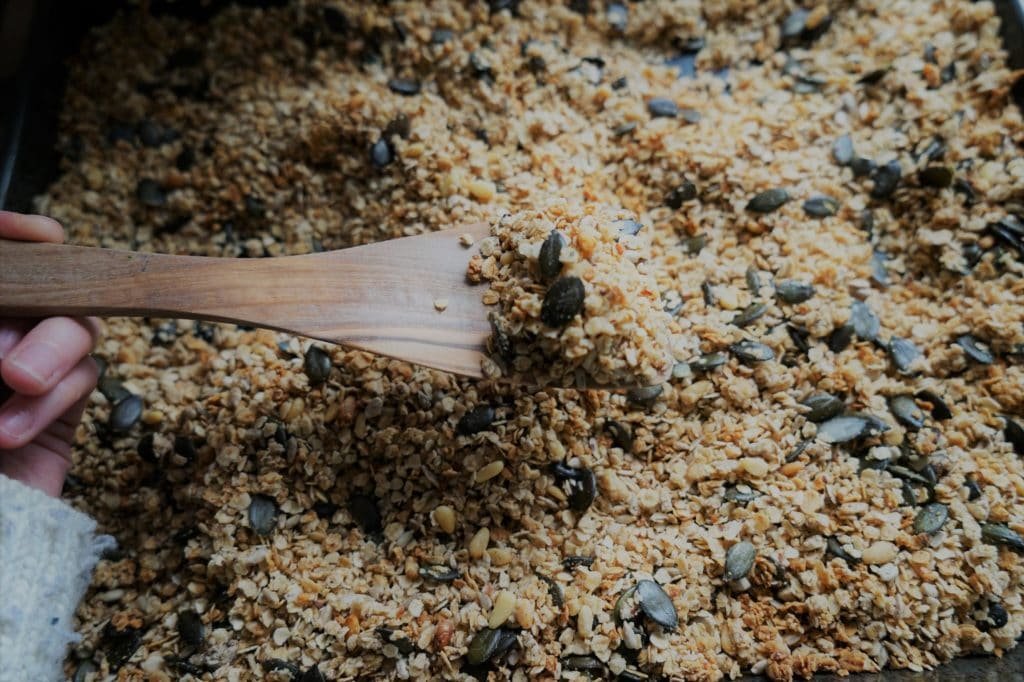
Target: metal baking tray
{"x": 31, "y": 97}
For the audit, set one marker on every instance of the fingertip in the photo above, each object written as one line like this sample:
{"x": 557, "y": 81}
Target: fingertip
{"x": 30, "y": 228}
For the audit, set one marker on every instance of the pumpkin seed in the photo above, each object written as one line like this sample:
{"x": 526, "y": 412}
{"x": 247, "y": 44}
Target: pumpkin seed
{"x": 906, "y": 411}
{"x": 973, "y": 489}
{"x": 363, "y": 509}
{"x": 587, "y": 664}
{"x": 879, "y": 273}
{"x": 684, "y": 192}
{"x": 708, "y": 362}
{"x": 627, "y": 227}
{"x": 621, "y": 433}
{"x": 862, "y": 166}
{"x": 931, "y": 518}
{"x": 842, "y": 429}
{"x": 841, "y": 337}
{"x": 821, "y": 206}
{"x": 798, "y": 335}
{"x": 1014, "y": 434}
{"x": 118, "y": 644}
{"x": 873, "y": 77}
{"x": 886, "y": 179}
{"x": 476, "y": 420}
{"x": 709, "y": 293}
{"x": 739, "y": 559}
{"x": 750, "y": 314}
{"x": 395, "y": 637}
{"x": 866, "y": 324}
{"x": 995, "y": 617}
{"x": 753, "y": 280}
{"x": 571, "y": 562}
{"x": 624, "y": 129}
{"x": 904, "y": 354}
{"x": 693, "y": 245}
{"x": 752, "y": 351}
{"x": 440, "y": 573}
{"x": 126, "y": 414}
{"x": 563, "y": 302}
{"x": 940, "y": 411}
{"x": 662, "y": 107}
{"x": 381, "y": 153}
{"x": 974, "y": 349}
{"x": 190, "y": 629}
{"x": 317, "y": 365}
{"x": 835, "y": 548}
{"x": 549, "y": 261}
{"x": 1000, "y": 534}
{"x": 262, "y": 514}
{"x": 792, "y": 291}
{"x": 656, "y": 604}
{"x": 404, "y": 86}
{"x": 768, "y": 200}
{"x": 936, "y": 176}
{"x": 490, "y": 643}
{"x": 150, "y": 193}
{"x": 644, "y": 396}
{"x": 822, "y": 406}
{"x": 113, "y": 390}
{"x": 740, "y": 494}
{"x": 842, "y": 150}
{"x": 681, "y": 370}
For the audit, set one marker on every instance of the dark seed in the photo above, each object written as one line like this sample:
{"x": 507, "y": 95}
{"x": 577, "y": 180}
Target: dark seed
{"x": 662, "y": 107}
{"x": 840, "y": 338}
{"x": 563, "y": 302}
{"x": 681, "y": 194}
{"x": 973, "y": 489}
{"x": 628, "y": 227}
{"x": 554, "y": 590}
{"x": 995, "y": 618}
{"x": 709, "y": 293}
{"x": 325, "y": 510}
{"x": 873, "y": 77}
{"x": 903, "y": 354}
{"x": 931, "y": 518}
{"x": 583, "y": 491}
{"x": 440, "y": 36}
{"x": 708, "y": 362}
{"x": 842, "y": 429}
{"x": 879, "y": 273}
{"x": 405, "y": 86}
{"x": 84, "y": 669}
{"x": 768, "y": 200}
{"x": 365, "y": 513}
{"x": 619, "y": 84}
{"x": 126, "y": 414}
{"x": 622, "y": 435}
{"x": 753, "y": 280}
{"x": 999, "y": 534}
{"x": 695, "y": 244}
{"x": 793, "y": 292}
{"x": 624, "y": 129}
{"x": 797, "y": 451}
{"x": 739, "y": 559}
{"x": 886, "y": 179}
{"x": 964, "y": 187}
{"x": 571, "y": 562}
{"x": 380, "y": 153}
{"x": 314, "y": 675}
{"x": 948, "y": 72}
{"x": 440, "y": 573}
{"x": 335, "y": 20}
{"x": 835, "y": 548}
{"x": 752, "y": 351}
{"x": 656, "y": 604}
{"x": 740, "y": 494}
{"x": 500, "y": 341}
{"x": 934, "y": 149}
{"x": 145, "y": 449}
{"x": 476, "y": 420}
{"x": 936, "y": 176}
{"x": 550, "y": 253}
{"x": 750, "y": 314}
{"x": 263, "y": 514}
{"x": 974, "y": 350}
{"x": 587, "y": 664}
{"x": 821, "y": 207}
{"x": 317, "y": 365}
{"x": 186, "y": 447}
{"x": 793, "y": 25}
{"x": 617, "y": 16}
{"x": 396, "y": 638}
{"x": 644, "y": 396}
{"x": 866, "y": 324}
{"x": 119, "y": 645}
{"x": 399, "y": 125}
{"x": 1014, "y": 434}
{"x": 842, "y": 150}
{"x": 906, "y": 411}
{"x": 190, "y": 629}
{"x": 822, "y": 407}
{"x": 798, "y": 335}
{"x": 150, "y": 193}
{"x": 113, "y": 390}
{"x": 862, "y": 166}
{"x": 488, "y": 644}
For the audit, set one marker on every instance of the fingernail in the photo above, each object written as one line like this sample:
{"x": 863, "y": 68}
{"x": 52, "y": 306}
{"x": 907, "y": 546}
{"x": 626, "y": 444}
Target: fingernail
{"x": 38, "y": 360}
{"x": 15, "y": 423}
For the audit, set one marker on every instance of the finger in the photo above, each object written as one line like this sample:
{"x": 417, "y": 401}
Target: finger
{"x": 47, "y": 353}
{"x": 30, "y": 228}
{"x": 11, "y": 332}
{"x": 24, "y": 417}
{"x": 36, "y": 466}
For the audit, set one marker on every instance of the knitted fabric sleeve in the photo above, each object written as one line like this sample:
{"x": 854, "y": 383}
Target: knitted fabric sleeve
{"x": 47, "y": 553}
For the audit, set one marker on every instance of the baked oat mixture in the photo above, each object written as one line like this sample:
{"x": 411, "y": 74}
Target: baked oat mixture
{"x": 830, "y": 479}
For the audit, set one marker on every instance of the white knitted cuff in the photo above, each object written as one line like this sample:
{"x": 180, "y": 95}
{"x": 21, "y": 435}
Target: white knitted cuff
{"x": 47, "y": 554}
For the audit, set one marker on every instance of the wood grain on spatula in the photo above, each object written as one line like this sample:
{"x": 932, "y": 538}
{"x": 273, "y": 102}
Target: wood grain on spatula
{"x": 379, "y": 297}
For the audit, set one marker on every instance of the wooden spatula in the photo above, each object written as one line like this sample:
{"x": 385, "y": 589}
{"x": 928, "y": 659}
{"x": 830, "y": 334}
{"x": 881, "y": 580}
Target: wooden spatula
{"x": 383, "y": 297}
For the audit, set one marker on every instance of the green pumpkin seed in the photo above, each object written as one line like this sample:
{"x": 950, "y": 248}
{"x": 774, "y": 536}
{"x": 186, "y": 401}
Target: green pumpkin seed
{"x": 113, "y": 390}
{"x": 842, "y": 429}
{"x": 740, "y": 494}
{"x": 476, "y": 420}
{"x": 906, "y": 411}
{"x": 822, "y": 406}
{"x": 656, "y": 604}
{"x": 753, "y": 280}
{"x": 768, "y": 200}
{"x": 489, "y": 644}
{"x": 879, "y": 273}
{"x": 563, "y": 302}
{"x": 792, "y": 291}
{"x": 999, "y": 534}
{"x": 842, "y": 150}
{"x": 708, "y": 362}
{"x": 931, "y": 518}
{"x": 644, "y": 396}
{"x": 936, "y": 176}
{"x": 904, "y": 354}
{"x": 317, "y": 365}
{"x": 262, "y": 514}
{"x": 866, "y": 324}
{"x": 862, "y": 166}
{"x": 1014, "y": 434}
{"x": 548, "y": 262}
{"x": 693, "y": 245}
{"x": 821, "y": 206}
{"x": 126, "y": 414}
{"x": 886, "y": 179}
{"x": 840, "y": 338}
{"x": 974, "y": 349}
{"x": 752, "y": 351}
{"x": 440, "y": 573}
{"x": 750, "y": 314}
{"x": 739, "y": 559}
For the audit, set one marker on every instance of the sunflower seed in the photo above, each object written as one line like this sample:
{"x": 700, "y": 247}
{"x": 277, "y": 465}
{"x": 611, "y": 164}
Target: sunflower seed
{"x": 792, "y": 291}
{"x": 708, "y": 362}
{"x": 190, "y": 629}
{"x": 842, "y": 429}
{"x": 549, "y": 261}
{"x": 840, "y": 338}
{"x": 821, "y": 207}
{"x": 563, "y": 302}
{"x": 995, "y": 617}
{"x": 752, "y": 351}
{"x": 262, "y": 514}
{"x": 476, "y": 420}
{"x": 835, "y": 548}
{"x": 940, "y": 411}
{"x": 439, "y": 573}
{"x": 906, "y": 411}
{"x": 866, "y": 324}
{"x": 656, "y": 604}
{"x": 768, "y": 200}
{"x": 739, "y": 559}
{"x": 750, "y": 314}
{"x": 886, "y": 179}
{"x": 999, "y": 534}
{"x": 363, "y": 509}
{"x": 317, "y": 365}
{"x": 842, "y": 150}
{"x": 1014, "y": 434}
{"x": 936, "y": 176}
{"x": 681, "y": 194}
{"x": 621, "y": 433}
{"x": 587, "y": 664}
{"x": 490, "y": 643}
{"x": 931, "y": 518}
{"x": 974, "y": 349}
{"x": 904, "y": 354}
{"x": 125, "y": 414}
{"x": 822, "y": 406}
{"x": 740, "y": 494}
{"x": 973, "y": 489}
{"x": 662, "y": 107}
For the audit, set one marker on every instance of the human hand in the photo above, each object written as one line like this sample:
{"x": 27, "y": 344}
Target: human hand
{"x": 46, "y": 376}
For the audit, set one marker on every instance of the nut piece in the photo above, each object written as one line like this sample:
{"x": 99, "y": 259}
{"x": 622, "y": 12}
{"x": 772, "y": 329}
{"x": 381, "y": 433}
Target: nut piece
{"x": 478, "y": 544}
{"x": 882, "y": 552}
{"x": 444, "y": 516}
{"x": 504, "y": 605}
